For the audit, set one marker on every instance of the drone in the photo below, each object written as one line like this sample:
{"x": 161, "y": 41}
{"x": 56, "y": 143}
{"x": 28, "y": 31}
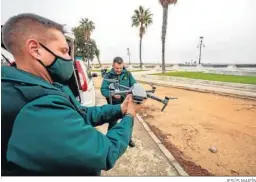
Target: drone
{"x": 139, "y": 94}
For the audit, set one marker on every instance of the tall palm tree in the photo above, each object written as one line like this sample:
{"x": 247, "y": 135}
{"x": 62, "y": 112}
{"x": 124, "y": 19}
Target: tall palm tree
{"x": 88, "y": 27}
{"x": 141, "y": 18}
{"x": 165, "y": 4}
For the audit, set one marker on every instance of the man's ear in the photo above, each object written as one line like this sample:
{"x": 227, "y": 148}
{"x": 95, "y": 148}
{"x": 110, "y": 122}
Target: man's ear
{"x": 33, "y": 48}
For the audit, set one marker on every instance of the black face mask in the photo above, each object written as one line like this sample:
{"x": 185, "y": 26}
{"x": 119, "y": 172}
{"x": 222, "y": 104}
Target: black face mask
{"x": 61, "y": 69}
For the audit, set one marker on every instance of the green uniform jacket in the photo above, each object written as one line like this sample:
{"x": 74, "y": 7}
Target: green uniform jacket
{"x": 50, "y": 134}
{"x": 125, "y": 78}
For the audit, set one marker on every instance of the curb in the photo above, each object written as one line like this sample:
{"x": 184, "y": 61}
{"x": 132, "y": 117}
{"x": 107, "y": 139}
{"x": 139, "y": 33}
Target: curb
{"x": 164, "y": 150}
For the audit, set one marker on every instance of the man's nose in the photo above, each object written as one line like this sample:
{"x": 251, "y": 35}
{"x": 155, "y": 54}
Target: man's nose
{"x": 68, "y": 57}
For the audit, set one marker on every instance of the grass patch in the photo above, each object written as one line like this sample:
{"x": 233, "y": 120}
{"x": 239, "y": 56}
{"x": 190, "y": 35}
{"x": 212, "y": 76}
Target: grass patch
{"x": 95, "y": 70}
{"x": 212, "y": 77}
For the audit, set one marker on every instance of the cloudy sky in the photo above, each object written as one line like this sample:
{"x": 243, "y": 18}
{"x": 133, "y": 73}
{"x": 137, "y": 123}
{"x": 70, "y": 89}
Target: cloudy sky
{"x": 228, "y": 27}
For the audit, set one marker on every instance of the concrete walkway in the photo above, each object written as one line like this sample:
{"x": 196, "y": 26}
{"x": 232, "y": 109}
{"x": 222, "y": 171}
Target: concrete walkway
{"x": 223, "y": 89}
{"x": 146, "y": 159}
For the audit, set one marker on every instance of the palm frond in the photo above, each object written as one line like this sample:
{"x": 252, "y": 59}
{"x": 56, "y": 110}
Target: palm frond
{"x": 135, "y": 24}
{"x": 137, "y": 14}
{"x": 142, "y": 18}
{"x": 135, "y": 20}
{"x": 141, "y": 10}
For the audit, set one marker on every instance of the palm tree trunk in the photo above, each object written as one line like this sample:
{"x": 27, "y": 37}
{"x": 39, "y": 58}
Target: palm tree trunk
{"x": 99, "y": 61}
{"x": 140, "y": 52}
{"x": 164, "y": 28}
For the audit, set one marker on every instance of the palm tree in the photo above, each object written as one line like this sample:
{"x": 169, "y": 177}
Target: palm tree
{"x": 88, "y": 27}
{"x": 80, "y": 41}
{"x": 141, "y": 18}
{"x": 97, "y": 53}
{"x": 165, "y": 4}
{"x": 85, "y": 48}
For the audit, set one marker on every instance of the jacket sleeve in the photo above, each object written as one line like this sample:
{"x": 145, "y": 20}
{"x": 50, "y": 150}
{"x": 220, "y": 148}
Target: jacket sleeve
{"x": 49, "y": 134}
{"x": 104, "y": 88}
{"x": 132, "y": 80}
{"x": 99, "y": 115}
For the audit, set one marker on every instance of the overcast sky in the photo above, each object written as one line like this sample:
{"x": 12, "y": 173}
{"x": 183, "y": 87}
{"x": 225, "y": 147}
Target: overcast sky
{"x": 228, "y": 27}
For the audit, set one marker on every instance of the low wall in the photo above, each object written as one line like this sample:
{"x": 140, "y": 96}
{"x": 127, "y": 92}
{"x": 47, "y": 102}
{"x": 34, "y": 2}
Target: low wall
{"x": 249, "y": 87}
{"x": 234, "y": 69}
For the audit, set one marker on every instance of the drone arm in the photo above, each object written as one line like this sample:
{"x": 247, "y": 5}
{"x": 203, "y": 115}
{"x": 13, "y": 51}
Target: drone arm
{"x": 122, "y": 86}
{"x": 120, "y": 92}
{"x": 150, "y": 95}
{"x": 164, "y": 101}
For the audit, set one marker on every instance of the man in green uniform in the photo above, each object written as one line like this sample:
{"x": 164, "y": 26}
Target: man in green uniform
{"x": 124, "y": 77}
{"x": 45, "y": 131}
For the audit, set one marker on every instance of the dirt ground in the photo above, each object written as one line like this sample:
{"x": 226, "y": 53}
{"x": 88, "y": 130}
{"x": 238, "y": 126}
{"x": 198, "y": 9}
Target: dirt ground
{"x": 197, "y": 121}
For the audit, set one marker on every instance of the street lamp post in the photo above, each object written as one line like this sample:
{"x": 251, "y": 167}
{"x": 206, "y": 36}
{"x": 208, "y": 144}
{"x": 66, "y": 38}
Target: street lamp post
{"x": 200, "y": 45}
{"x": 129, "y": 54}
